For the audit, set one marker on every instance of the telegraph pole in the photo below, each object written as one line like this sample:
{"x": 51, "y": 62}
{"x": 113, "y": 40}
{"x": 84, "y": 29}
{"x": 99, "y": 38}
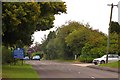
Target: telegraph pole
{"x": 108, "y": 40}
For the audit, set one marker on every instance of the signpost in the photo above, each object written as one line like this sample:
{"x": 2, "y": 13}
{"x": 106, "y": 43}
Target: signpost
{"x": 18, "y": 54}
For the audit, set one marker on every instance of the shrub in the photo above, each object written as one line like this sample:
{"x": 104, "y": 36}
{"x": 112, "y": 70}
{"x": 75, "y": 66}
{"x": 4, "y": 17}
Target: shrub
{"x": 7, "y": 56}
{"x": 89, "y": 60}
{"x": 85, "y": 59}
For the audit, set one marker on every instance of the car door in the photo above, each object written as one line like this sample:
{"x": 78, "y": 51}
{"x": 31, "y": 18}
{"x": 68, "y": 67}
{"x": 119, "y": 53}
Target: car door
{"x": 115, "y": 58}
{"x": 110, "y": 58}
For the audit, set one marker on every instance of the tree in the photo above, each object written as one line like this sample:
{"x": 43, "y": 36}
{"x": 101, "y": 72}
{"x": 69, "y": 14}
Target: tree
{"x": 51, "y": 50}
{"x": 115, "y": 27}
{"x": 62, "y": 33}
{"x": 115, "y": 38}
{"x": 114, "y": 46}
{"x": 87, "y": 43}
{"x": 56, "y": 42}
{"x": 20, "y": 20}
{"x": 77, "y": 39}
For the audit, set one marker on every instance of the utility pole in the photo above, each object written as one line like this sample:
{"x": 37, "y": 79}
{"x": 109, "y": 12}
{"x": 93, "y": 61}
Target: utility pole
{"x": 108, "y": 40}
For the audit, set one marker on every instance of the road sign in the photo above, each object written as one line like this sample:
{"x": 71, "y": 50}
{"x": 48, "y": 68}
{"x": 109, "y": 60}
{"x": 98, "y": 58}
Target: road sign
{"x": 18, "y": 53}
{"x": 119, "y": 12}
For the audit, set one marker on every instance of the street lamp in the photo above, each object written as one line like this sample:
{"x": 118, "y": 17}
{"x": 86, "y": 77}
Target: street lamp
{"x": 108, "y": 40}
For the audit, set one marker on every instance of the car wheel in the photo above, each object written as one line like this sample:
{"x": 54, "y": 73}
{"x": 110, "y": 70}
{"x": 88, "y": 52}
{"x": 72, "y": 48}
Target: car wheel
{"x": 102, "y": 62}
{"x": 95, "y": 63}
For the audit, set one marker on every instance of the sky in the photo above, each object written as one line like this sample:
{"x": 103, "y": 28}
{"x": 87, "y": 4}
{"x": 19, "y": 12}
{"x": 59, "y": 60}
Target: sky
{"x": 94, "y": 12}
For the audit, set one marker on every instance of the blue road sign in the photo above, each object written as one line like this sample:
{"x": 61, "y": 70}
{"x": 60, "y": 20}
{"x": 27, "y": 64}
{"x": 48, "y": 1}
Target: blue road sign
{"x": 18, "y": 53}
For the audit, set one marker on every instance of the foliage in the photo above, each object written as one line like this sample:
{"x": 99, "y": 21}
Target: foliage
{"x": 55, "y": 44}
{"x": 20, "y": 20}
{"x": 114, "y": 38}
{"x": 114, "y": 27}
{"x": 78, "y": 39}
{"x": 114, "y": 43}
{"x": 7, "y": 55}
{"x": 85, "y": 59}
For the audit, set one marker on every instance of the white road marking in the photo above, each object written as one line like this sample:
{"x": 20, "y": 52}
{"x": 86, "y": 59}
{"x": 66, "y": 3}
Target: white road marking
{"x": 93, "y": 77}
{"x": 78, "y": 72}
{"x": 83, "y": 65}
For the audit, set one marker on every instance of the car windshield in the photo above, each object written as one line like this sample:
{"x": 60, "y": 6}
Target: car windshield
{"x": 103, "y": 56}
{"x": 36, "y": 56}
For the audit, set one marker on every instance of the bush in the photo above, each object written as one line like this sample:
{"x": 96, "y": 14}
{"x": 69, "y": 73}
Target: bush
{"x": 7, "y": 56}
{"x": 89, "y": 60}
{"x": 82, "y": 59}
{"x": 85, "y": 59}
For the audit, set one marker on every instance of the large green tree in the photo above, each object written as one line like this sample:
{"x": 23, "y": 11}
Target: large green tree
{"x": 20, "y": 20}
{"x": 114, "y": 27}
{"x": 55, "y": 43}
{"x": 114, "y": 38}
{"x": 75, "y": 38}
{"x": 87, "y": 43}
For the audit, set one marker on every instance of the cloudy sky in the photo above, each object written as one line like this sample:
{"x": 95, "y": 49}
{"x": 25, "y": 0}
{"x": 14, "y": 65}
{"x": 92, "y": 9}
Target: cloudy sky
{"x": 94, "y": 12}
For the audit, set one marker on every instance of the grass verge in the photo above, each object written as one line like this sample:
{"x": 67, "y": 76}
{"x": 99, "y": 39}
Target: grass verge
{"x": 18, "y": 71}
{"x": 112, "y": 65}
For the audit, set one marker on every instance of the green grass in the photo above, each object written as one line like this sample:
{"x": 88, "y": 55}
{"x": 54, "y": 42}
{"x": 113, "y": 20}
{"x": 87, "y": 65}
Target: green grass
{"x": 112, "y": 65}
{"x": 18, "y": 71}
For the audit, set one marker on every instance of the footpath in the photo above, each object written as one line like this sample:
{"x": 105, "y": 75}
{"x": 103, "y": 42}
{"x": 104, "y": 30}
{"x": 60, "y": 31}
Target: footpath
{"x": 98, "y": 67}
{"x": 105, "y": 68}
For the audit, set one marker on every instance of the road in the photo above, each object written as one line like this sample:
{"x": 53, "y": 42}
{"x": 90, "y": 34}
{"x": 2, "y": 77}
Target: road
{"x": 53, "y": 69}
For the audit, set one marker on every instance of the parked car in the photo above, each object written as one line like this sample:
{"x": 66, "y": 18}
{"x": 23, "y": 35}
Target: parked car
{"x": 26, "y": 58}
{"x": 102, "y": 60}
{"x": 37, "y": 57}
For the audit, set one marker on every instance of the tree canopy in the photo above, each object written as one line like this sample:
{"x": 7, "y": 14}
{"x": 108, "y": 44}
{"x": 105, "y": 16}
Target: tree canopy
{"x": 78, "y": 39}
{"x": 20, "y": 20}
{"x": 114, "y": 27}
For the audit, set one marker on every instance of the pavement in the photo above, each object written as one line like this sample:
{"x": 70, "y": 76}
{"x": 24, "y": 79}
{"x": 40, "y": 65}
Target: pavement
{"x": 90, "y": 65}
{"x": 105, "y": 68}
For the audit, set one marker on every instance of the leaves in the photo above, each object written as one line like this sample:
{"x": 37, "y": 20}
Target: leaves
{"x": 75, "y": 38}
{"x": 20, "y": 20}
{"x": 114, "y": 27}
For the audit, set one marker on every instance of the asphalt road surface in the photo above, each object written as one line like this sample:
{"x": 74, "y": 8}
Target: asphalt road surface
{"x": 53, "y": 69}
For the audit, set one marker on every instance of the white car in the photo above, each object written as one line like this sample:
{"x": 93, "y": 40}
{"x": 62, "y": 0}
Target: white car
{"x": 111, "y": 58}
{"x": 26, "y": 58}
{"x": 37, "y": 57}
